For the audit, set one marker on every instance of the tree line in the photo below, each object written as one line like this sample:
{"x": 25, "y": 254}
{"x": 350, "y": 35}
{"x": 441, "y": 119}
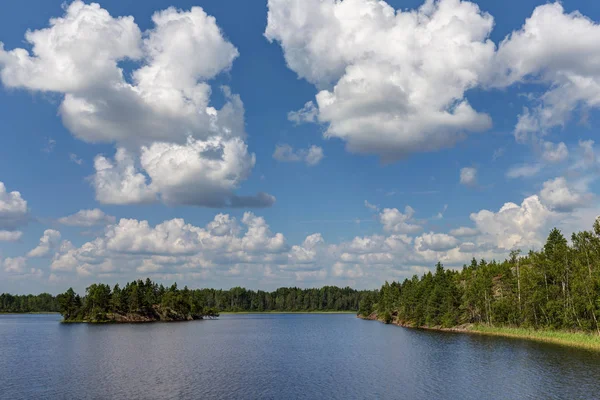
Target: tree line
{"x": 143, "y": 297}
{"x": 30, "y": 303}
{"x": 557, "y": 287}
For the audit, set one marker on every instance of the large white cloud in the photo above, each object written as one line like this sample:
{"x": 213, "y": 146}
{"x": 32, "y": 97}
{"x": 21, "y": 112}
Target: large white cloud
{"x": 13, "y": 209}
{"x": 163, "y": 113}
{"x": 392, "y": 82}
{"x": 515, "y": 226}
{"x": 557, "y": 49}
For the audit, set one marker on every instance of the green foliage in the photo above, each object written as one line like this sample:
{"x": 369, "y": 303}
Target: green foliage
{"x": 556, "y": 288}
{"x": 44, "y": 302}
{"x": 147, "y": 299}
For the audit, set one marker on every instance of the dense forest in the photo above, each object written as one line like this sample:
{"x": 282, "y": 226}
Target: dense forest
{"x": 557, "y": 287}
{"x": 44, "y": 302}
{"x": 147, "y": 300}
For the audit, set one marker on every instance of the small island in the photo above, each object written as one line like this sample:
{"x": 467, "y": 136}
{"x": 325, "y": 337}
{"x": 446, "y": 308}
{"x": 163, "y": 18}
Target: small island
{"x": 138, "y": 301}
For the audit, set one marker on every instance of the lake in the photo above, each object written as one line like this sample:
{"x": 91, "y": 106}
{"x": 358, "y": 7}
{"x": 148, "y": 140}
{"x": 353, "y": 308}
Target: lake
{"x": 280, "y": 356}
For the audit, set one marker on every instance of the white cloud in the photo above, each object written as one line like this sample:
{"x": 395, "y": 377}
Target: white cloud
{"x": 435, "y": 242}
{"x": 556, "y": 49}
{"x": 163, "y": 114}
{"x": 468, "y": 176}
{"x": 48, "y": 243}
{"x": 554, "y": 152}
{"x": 392, "y": 82}
{"x": 88, "y": 218}
{"x": 371, "y": 207}
{"x": 515, "y": 226}
{"x": 50, "y": 145}
{"x": 558, "y": 195}
{"x": 10, "y": 236}
{"x": 523, "y": 171}
{"x": 308, "y": 113}
{"x": 13, "y": 209}
{"x": 74, "y": 158}
{"x": 286, "y": 153}
{"x": 395, "y": 221}
{"x": 119, "y": 182}
{"x": 15, "y": 265}
{"x": 464, "y": 231}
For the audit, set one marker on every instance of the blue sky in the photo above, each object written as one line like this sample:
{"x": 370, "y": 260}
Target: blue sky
{"x": 387, "y": 128}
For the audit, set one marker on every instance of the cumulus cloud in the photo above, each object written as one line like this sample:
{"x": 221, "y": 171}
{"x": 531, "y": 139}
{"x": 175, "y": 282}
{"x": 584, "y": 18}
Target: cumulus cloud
{"x": 557, "y": 49}
{"x": 468, "y": 176}
{"x": 391, "y": 82}
{"x": 161, "y": 119}
{"x": 10, "y": 236}
{"x": 559, "y": 195}
{"x": 13, "y": 209}
{"x": 48, "y": 243}
{"x": 515, "y": 226}
{"x": 15, "y": 265}
{"x": 398, "y": 222}
{"x": 88, "y": 218}
{"x": 286, "y": 153}
{"x": 554, "y": 152}
{"x": 435, "y": 242}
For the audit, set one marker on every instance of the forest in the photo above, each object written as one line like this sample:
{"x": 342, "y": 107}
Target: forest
{"x": 30, "y": 303}
{"x": 557, "y": 287}
{"x": 147, "y": 300}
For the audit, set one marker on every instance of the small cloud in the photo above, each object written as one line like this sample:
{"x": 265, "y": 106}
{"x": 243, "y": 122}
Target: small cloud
{"x": 308, "y": 113}
{"x": 371, "y": 207}
{"x": 286, "y": 153}
{"x": 74, "y": 158}
{"x": 498, "y": 153}
{"x": 50, "y": 145}
{"x": 468, "y": 176}
{"x": 523, "y": 171}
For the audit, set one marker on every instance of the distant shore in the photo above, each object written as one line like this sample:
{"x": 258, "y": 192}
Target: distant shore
{"x": 581, "y": 340}
{"x": 288, "y": 312}
{"x": 27, "y": 313}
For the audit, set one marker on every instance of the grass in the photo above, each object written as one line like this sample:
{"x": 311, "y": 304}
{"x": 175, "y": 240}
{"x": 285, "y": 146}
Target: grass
{"x": 583, "y": 340}
{"x": 287, "y": 312}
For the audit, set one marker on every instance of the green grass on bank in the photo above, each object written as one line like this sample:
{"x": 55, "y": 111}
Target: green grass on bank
{"x": 287, "y": 312}
{"x": 576, "y": 339}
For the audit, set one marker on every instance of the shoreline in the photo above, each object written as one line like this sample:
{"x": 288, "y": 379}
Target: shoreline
{"x": 581, "y": 340}
{"x": 28, "y": 313}
{"x": 287, "y": 312}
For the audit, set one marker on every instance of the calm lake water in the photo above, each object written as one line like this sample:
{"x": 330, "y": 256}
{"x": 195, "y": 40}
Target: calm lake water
{"x": 294, "y": 356}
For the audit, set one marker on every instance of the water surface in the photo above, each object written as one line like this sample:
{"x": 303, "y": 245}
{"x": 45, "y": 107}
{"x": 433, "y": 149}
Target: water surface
{"x": 280, "y": 356}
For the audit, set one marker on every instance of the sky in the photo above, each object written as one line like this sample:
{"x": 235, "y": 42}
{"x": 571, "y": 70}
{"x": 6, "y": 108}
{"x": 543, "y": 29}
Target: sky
{"x": 290, "y": 142}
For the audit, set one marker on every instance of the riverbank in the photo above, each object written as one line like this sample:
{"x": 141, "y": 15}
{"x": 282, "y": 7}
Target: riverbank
{"x": 565, "y": 338}
{"x": 288, "y": 312}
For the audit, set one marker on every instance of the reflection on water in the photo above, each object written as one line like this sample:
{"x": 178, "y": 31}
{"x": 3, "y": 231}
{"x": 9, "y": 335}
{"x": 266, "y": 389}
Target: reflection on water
{"x": 296, "y": 356}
